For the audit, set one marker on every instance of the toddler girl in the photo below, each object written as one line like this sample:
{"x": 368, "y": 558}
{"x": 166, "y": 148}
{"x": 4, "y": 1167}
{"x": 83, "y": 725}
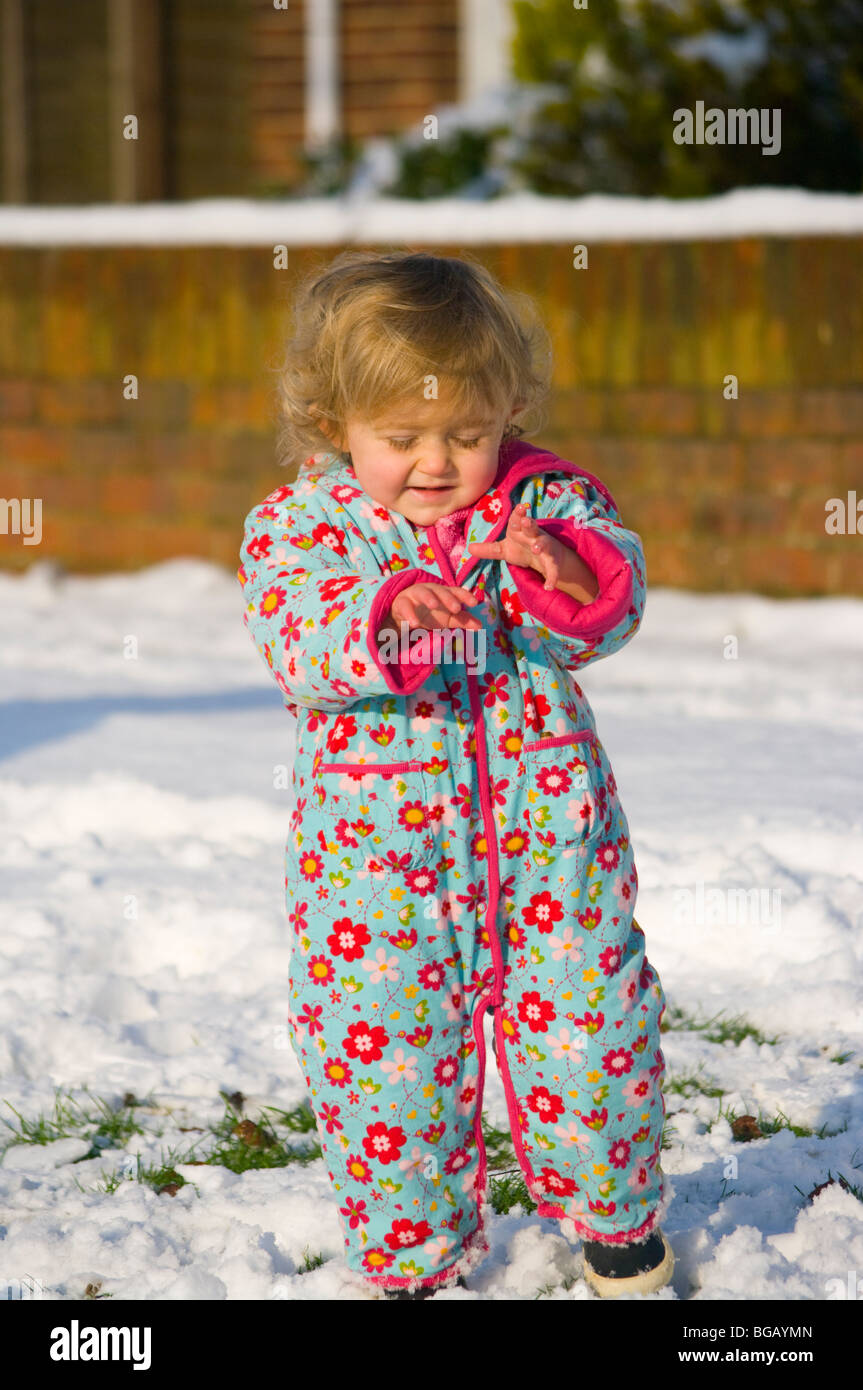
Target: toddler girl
{"x": 457, "y": 846}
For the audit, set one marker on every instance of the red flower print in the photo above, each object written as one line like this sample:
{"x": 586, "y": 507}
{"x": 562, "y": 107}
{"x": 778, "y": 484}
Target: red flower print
{"x": 376, "y": 1261}
{"x": 618, "y": 1154}
{"x": 295, "y": 916}
{"x": 512, "y": 609}
{"x": 365, "y": 1042}
{"x": 535, "y": 1012}
{"x": 549, "y": 1108}
{"x": 446, "y": 1071}
{"x": 330, "y": 1117}
{"x": 311, "y": 1018}
{"x": 330, "y": 536}
{"x": 355, "y": 1212}
{"x": 341, "y": 733}
{"x": 311, "y": 865}
{"x": 290, "y": 628}
{"x": 279, "y": 494}
{"x": 457, "y": 1160}
{"x": 413, "y": 816}
{"x": 611, "y": 960}
{"x": 590, "y": 918}
{"x": 556, "y": 1186}
{"x": 405, "y": 1233}
{"x": 259, "y": 546}
{"x": 543, "y": 912}
{"x": 431, "y": 977}
{"x": 422, "y": 881}
{"x": 348, "y": 835}
{"x": 321, "y": 971}
{"x": 467, "y": 1094}
{"x": 603, "y": 1208}
{"x": 404, "y": 940}
{"x": 495, "y": 689}
{"x": 509, "y": 743}
{"x": 338, "y": 1073}
{"x": 514, "y": 842}
{"x": 597, "y": 1119}
{"x": 553, "y": 781}
{"x": 608, "y": 855}
{"x": 618, "y": 1061}
{"x": 358, "y": 1169}
{"x": 491, "y": 507}
{"x": 348, "y": 939}
{"x": 331, "y": 588}
{"x": 536, "y": 707}
{"x": 383, "y": 1143}
{"x": 591, "y": 1023}
{"x": 272, "y": 601}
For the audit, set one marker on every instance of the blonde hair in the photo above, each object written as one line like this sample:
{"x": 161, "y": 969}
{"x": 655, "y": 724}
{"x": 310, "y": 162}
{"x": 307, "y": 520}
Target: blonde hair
{"x": 370, "y": 329}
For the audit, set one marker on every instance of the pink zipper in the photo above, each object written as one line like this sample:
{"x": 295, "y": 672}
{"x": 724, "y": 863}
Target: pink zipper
{"x": 360, "y": 769}
{"x": 581, "y": 736}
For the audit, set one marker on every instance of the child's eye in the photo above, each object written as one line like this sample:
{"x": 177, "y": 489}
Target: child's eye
{"x": 406, "y": 443}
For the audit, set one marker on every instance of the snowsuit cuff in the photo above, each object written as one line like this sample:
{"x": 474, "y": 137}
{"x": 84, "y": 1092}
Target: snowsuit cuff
{"x": 562, "y": 612}
{"x": 404, "y": 676}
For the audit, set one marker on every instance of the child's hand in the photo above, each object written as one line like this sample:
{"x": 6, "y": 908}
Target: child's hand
{"x": 434, "y": 606}
{"x": 525, "y": 544}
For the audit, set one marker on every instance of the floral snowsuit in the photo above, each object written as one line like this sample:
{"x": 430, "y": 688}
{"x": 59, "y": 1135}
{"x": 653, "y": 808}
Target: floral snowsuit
{"x": 458, "y": 846}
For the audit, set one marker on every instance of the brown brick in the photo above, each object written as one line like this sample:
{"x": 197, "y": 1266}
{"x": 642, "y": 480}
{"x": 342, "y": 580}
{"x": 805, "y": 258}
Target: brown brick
{"x": 780, "y": 465}
{"x": 664, "y": 511}
{"x": 765, "y": 413}
{"x": 231, "y": 407}
{"x": 81, "y": 402}
{"x": 126, "y": 494}
{"x": 830, "y": 412}
{"x": 32, "y": 444}
{"x": 653, "y": 411}
{"x": 17, "y": 400}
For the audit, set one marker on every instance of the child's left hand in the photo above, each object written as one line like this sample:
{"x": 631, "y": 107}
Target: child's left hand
{"x": 525, "y": 544}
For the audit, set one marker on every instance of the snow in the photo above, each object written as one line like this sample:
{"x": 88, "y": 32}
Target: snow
{"x": 365, "y": 217}
{"x": 143, "y": 945}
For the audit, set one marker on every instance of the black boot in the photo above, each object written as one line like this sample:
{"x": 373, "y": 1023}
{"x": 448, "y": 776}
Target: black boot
{"x": 637, "y": 1267}
{"x": 428, "y": 1292}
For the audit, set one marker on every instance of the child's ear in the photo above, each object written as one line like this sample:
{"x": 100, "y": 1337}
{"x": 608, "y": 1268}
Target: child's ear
{"x": 326, "y": 428}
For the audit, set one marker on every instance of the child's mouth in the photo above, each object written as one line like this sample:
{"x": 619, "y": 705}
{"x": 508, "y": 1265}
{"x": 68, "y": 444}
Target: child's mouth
{"x": 431, "y": 492}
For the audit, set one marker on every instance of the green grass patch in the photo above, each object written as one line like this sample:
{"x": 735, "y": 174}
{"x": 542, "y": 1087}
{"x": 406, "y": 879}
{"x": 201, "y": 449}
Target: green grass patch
{"x": 693, "y": 1084}
{"x": 761, "y": 1126}
{"x": 717, "y": 1029}
{"x": 104, "y": 1125}
{"x": 509, "y": 1190}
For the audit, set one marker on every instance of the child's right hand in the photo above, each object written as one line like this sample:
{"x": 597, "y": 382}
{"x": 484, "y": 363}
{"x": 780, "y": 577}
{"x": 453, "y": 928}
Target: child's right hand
{"x": 433, "y": 606}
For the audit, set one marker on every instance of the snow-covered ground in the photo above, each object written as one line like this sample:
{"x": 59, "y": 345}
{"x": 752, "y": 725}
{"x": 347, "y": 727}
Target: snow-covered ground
{"x": 144, "y": 947}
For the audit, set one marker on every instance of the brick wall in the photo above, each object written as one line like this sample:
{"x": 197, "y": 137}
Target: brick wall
{"x": 727, "y": 494}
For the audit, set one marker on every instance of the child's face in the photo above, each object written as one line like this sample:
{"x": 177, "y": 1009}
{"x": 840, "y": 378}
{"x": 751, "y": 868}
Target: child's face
{"x": 425, "y": 460}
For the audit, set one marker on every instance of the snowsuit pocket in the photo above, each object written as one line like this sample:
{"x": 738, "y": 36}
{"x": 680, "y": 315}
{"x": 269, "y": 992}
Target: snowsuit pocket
{"x": 377, "y": 813}
{"x": 565, "y": 787}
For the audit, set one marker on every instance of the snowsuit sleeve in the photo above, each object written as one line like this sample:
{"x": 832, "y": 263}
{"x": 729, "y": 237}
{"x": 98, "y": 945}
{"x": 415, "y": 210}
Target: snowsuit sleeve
{"x": 582, "y": 514}
{"x": 312, "y": 616}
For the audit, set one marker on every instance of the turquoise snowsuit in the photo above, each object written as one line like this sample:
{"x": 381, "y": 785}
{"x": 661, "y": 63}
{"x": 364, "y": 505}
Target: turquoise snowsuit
{"x": 458, "y": 846}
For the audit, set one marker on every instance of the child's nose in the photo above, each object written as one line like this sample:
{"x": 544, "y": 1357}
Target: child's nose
{"x": 436, "y": 461}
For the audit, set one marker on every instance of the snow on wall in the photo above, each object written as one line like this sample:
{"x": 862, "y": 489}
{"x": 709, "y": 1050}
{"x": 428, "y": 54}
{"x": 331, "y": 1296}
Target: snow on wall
{"x": 519, "y": 217}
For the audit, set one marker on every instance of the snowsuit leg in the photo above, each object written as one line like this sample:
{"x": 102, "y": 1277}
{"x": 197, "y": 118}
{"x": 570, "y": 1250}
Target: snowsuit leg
{"x": 394, "y": 1062}
{"x": 578, "y": 1036}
